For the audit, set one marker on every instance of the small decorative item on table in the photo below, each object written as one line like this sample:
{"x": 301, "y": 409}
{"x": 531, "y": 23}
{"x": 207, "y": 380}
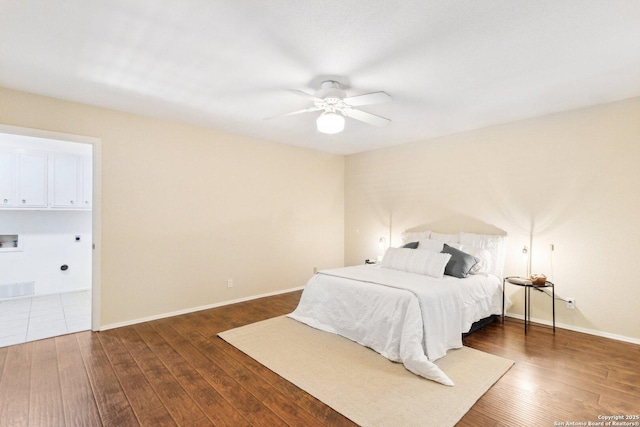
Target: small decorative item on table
{"x": 538, "y": 279}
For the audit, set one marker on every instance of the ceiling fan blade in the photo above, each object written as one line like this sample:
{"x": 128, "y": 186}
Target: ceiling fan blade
{"x": 293, "y": 113}
{"x": 367, "y": 99}
{"x": 363, "y": 116}
{"x": 305, "y": 95}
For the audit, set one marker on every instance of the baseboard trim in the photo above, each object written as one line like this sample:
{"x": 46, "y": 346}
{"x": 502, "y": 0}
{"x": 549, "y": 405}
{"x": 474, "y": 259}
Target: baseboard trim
{"x": 579, "y": 329}
{"x": 194, "y": 309}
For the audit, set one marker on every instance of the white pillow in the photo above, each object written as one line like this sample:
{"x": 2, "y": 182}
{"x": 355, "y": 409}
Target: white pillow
{"x": 492, "y": 243}
{"x": 446, "y": 238}
{"x": 414, "y": 236}
{"x": 413, "y": 261}
{"x": 485, "y": 265}
{"x": 435, "y": 245}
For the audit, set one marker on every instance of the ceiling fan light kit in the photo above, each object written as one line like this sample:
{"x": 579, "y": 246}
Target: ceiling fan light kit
{"x": 330, "y": 123}
{"x": 335, "y": 105}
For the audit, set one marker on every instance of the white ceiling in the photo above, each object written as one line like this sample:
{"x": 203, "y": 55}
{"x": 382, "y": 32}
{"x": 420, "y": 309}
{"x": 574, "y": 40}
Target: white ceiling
{"x": 450, "y": 66}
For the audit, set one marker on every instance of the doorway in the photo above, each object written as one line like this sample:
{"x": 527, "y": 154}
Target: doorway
{"x": 49, "y": 230}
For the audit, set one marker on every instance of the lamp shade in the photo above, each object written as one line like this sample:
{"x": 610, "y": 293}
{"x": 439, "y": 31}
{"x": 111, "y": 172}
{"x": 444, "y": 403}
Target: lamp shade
{"x": 330, "y": 123}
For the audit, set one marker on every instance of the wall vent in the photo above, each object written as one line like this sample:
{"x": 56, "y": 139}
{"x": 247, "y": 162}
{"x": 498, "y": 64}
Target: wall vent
{"x": 12, "y": 290}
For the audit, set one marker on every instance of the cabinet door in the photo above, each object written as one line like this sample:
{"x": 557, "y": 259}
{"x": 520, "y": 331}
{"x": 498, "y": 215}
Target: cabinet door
{"x": 32, "y": 180}
{"x": 65, "y": 182}
{"x": 87, "y": 182}
{"x": 7, "y": 179}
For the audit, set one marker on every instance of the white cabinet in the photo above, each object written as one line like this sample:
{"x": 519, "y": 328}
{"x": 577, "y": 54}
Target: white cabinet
{"x": 65, "y": 181}
{"x": 41, "y": 180}
{"x": 32, "y": 180}
{"x": 23, "y": 179}
{"x": 72, "y": 178}
{"x": 7, "y": 179}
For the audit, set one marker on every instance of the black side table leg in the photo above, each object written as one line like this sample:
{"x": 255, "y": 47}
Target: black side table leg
{"x": 503, "y": 285}
{"x": 529, "y": 308}
{"x": 526, "y": 301}
{"x": 553, "y": 299}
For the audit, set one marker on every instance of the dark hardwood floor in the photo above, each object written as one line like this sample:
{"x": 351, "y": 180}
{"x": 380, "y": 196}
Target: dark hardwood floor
{"x": 176, "y": 371}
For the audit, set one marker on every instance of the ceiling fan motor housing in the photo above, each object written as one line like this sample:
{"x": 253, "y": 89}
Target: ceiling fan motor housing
{"x": 330, "y": 89}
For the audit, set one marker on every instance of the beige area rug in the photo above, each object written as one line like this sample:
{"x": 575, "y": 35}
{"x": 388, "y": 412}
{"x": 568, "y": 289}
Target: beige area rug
{"x": 362, "y": 385}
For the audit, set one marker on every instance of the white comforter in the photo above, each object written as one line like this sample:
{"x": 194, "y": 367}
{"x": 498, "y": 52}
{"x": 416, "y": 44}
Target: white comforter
{"x": 406, "y": 317}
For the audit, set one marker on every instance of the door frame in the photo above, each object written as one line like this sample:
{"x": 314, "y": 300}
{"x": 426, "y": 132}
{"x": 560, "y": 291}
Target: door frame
{"x": 96, "y": 204}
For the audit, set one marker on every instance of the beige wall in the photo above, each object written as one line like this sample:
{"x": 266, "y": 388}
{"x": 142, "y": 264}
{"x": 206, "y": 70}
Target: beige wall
{"x": 572, "y": 178}
{"x": 186, "y": 208}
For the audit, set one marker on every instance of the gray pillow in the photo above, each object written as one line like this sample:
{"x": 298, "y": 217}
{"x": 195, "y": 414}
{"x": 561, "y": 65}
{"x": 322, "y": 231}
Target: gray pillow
{"x": 411, "y": 245}
{"x": 460, "y": 263}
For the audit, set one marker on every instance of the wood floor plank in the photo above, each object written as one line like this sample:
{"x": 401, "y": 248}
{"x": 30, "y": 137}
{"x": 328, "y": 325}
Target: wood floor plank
{"x": 202, "y": 422}
{"x": 620, "y": 405}
{"x": 138, "y": 390}
{"x": 180, "y": 405}
{"x": 46, "y": 408}
{"x": 205, "y": 396}
{"x": 77, "y": 396}
{"x": 219, "y": 410}
{"x": 156, "y": 417}
{"x": 230, "y": 390}
{"x": 113, "y": 406}
{"x": 625, "y": 376}
{"x": 15, "y": 386}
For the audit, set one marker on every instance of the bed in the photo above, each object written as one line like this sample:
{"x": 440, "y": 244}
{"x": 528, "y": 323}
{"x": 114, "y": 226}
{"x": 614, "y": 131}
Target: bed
{"x": 406, "y": 308}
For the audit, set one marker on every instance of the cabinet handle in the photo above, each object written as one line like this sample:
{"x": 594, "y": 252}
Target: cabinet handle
{"x": 24, "y": 201}
{"x": 6, "y": 201}
{"x": 72, "y": 202}
{"x": 86, "y": 202}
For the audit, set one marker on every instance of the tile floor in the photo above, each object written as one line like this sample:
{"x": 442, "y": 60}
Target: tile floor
{"x": 30, "y": 319}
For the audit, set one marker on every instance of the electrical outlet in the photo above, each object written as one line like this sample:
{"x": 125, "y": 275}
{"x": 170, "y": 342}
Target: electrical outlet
{"x": 229, "y": 283}
{"x": 571, "y": 303}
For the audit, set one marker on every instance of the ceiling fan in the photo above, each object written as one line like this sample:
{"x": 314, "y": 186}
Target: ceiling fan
{"x": 335, "y": 105}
